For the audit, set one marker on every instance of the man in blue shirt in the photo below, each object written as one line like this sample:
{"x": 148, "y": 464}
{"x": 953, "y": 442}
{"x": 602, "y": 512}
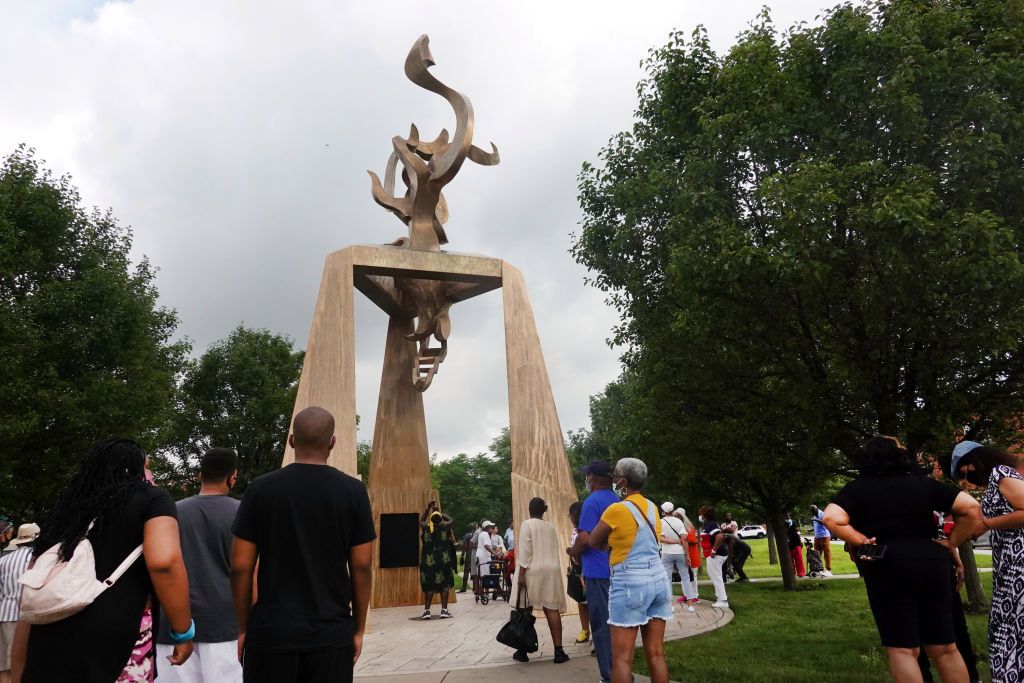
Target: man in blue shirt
{"x": 822, "y": 538}
{"x": 596, "y": 573}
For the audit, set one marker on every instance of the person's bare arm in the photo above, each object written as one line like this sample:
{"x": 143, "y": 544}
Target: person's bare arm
{"x": 360, "y": 560}
{"x": 19, "y": 650}
{"x": 719, "y": 540}
{"x": 598, "y": 538}
{"x": 162, "y": 551}
{"x": 244, "y": 555}
{"x": 1013, "y": 491}
{"x": 581, "y": 544}
{"x": 958, "y": 569}
{"x": 838, "y": 522}
{"x": 967, "y": 520}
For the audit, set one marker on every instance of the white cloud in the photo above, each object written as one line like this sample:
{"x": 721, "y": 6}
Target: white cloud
{"x": 234, "y": 138}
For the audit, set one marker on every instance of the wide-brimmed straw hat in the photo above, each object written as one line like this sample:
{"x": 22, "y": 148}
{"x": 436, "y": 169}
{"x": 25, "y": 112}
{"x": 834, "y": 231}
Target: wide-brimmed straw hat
{"x": 26, "y": 534}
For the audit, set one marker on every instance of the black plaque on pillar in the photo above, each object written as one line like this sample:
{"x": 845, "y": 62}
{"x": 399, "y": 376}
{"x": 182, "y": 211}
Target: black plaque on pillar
{"x": 399, "y": 540}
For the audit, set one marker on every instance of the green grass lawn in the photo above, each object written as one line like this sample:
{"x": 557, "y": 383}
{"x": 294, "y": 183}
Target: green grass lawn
{"x": 821, "y": 633}
{"x": 757, "y": 566}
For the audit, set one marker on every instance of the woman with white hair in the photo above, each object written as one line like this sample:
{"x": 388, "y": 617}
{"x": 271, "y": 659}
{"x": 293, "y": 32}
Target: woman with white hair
{"x": 673, "y": 549}
{"x": 638, "y": 595}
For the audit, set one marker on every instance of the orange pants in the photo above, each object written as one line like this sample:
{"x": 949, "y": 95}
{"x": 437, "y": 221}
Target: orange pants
{"x": 824, "y": 546}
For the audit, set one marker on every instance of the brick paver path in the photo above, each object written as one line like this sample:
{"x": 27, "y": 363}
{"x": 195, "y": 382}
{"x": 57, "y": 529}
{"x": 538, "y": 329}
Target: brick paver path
{"x": 398, "y": 645}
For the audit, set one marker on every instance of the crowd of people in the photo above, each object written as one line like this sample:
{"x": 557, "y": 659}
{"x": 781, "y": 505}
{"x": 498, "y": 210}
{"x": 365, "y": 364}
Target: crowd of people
{"x": 276, "y": 587}
{"x": 893, "y": 519}
{"x": 273, "y": 588}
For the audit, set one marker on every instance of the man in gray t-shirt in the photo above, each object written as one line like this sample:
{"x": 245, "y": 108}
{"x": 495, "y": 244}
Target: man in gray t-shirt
{"x": 204, "y": 525}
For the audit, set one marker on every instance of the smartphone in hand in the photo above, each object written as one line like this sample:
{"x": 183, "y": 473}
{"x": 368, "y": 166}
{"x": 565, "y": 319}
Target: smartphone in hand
{"x": 871, "y": 552}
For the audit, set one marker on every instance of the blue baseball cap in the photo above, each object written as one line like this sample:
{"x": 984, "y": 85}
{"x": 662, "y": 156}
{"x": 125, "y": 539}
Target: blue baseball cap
{"x": 598, "y": 468}
{"x": 959, "y": 451}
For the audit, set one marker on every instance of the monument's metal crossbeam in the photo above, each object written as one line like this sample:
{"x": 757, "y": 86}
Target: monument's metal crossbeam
{"x": 415, "y": 284}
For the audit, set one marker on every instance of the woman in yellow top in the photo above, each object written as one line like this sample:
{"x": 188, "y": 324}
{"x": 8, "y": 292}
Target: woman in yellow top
{"x": 638, "y": 596}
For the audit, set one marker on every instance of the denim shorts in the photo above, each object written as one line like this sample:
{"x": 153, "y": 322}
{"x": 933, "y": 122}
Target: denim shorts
{"x": 638, "y": 593}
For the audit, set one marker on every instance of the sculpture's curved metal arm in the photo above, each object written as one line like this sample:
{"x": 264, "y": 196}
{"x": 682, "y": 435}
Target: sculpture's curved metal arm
{"x": 426, "y": 168}
{"x": 444, "y": 166}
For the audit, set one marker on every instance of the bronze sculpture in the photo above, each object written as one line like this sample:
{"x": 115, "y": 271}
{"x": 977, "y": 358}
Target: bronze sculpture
{"x": 426, "y": 168}
{"x": 415, "y": 283}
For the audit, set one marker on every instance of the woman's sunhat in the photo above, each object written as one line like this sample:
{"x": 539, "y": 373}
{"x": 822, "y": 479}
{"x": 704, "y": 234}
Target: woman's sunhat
{"x": 959, "y": 451}
{"x": 26, "y": 534}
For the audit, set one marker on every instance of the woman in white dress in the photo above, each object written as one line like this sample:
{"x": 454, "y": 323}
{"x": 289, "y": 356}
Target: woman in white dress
{"x": 539, "y": 570}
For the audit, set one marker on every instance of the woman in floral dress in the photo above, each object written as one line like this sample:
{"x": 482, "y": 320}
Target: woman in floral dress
{"x": 1003, "y": 507}
{"x": 436, "y": 557}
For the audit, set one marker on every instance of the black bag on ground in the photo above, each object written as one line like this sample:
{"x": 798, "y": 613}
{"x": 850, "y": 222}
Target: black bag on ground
{"x": 519, "y": 633}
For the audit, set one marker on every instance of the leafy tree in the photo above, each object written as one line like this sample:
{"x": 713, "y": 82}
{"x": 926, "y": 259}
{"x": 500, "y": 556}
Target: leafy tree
{"x": 85, "y": 351}
{"x": 813, "y": 238}
{"x": 474, "y": 487}
{"x": 239, "y": 395}
{"x": 583, "y": 447}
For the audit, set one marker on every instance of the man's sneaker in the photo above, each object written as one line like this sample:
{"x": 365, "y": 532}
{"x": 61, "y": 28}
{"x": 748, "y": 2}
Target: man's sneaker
{"x": 826, "y": 573}
{"x": 721, "y": 604}
{"x": 445, "y": 614}
{"x": 560, "y": 656}
{"x": 426, "y": 615}
{"x": 689, "y": 608}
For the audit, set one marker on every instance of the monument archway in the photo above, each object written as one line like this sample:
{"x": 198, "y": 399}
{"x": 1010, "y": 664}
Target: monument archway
{"x": 416, "y": 283}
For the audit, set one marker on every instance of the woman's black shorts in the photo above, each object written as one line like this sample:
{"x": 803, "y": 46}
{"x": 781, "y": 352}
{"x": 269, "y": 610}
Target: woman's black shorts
{"x": 911, "y": 600}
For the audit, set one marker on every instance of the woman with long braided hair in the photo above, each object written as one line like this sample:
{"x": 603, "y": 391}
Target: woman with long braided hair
{"x": 110, "y": 503}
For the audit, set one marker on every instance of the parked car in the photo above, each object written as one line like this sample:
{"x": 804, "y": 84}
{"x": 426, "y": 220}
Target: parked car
{"x": 752, "y": 531}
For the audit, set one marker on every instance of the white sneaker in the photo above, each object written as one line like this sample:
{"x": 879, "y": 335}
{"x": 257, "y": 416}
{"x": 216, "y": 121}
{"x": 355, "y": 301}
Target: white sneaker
{"x": 826, "y": 573}
{"x": 690, "y": 610}
{"x": 426, "y": 615}
{"x": 721, "y": 604}
{"x": 445, "y": 614}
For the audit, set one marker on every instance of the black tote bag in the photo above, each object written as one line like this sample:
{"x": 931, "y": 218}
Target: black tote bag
{"x": 520, "y": 633}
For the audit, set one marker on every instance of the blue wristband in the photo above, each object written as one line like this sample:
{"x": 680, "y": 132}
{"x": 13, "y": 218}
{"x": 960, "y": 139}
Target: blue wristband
{"x": 178, "y": 638}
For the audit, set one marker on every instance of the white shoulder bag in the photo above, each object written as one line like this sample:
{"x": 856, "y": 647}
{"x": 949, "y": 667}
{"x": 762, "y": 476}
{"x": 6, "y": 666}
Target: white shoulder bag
{"x": 54, "y": 589}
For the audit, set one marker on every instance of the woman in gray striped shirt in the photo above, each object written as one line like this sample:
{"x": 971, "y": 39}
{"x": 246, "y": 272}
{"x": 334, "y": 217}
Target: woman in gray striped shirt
{"x": 12, "y": 566}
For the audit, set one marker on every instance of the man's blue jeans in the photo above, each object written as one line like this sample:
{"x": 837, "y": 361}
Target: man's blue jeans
{"x": 597, "y": 603}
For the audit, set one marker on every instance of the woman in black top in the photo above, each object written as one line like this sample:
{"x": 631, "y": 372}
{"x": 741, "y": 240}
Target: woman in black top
{"x": 111, "y": 639}
{"x": 908, "y": 587}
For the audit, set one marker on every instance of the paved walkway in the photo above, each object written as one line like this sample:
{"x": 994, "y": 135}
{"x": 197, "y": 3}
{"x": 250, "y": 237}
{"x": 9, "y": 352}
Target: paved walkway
{"x": 400, "y": 648}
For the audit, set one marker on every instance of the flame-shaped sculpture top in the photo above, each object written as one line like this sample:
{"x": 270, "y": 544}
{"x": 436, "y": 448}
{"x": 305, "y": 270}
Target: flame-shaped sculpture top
{"x": 428, "y": 166}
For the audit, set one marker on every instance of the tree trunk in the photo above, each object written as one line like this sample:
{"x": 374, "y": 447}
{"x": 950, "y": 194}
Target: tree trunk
{"x": 773, "y": 550}
{"x": 976, "y": 602}
{"x": 782, "y": 545}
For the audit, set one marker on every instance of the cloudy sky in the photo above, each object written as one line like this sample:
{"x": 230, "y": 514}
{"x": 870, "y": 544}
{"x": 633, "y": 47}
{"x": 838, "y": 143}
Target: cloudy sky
{"x": 234, "y": 138}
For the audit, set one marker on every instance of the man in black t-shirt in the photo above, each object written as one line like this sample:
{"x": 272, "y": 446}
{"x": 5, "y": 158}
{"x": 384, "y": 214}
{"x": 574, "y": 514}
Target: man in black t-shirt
{"x": 311, "y": 530}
